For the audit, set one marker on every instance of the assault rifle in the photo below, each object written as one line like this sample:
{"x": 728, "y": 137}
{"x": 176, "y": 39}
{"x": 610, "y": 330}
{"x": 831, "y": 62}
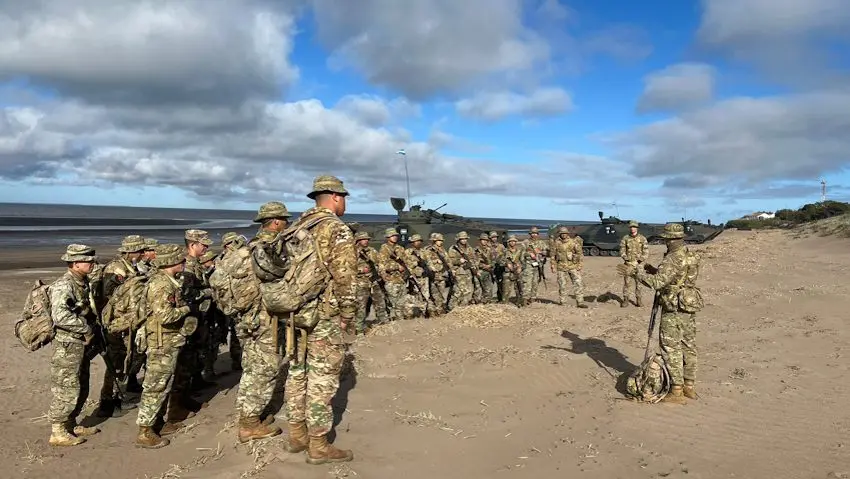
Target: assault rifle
{"x": 376, "y": 278}
{"x": 449, "y": 275}
{"x": 411, "y": 279}
{"x": 473, "y": 268}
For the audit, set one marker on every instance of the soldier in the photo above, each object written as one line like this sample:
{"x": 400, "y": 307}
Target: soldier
{"x": 314, "y": 380}
{"x": 514, "y": 264}
{"x": 634, "y": 250}
{"x": 675, "y": 284}
{"x": 72, "y": 311}
{"x": 498, "y": 265}
{"x": 461, "y": 258}
{"x": 231, "y": 241}
{"x": 170, "y": 322}
{"x": 567, "y": 257}
{"x": 207, "y": 259}
{"x": 536, "y": 259}
{"x": 370, "y": 285}
{"x": 258, "y": 332}
{"x": 202, "y": 363}
{"x": 394, "y": 268}
{"x": 420, "y": 272}
{"x": 145, "y": 265}
{"x": 484, "y": 254}
{"x": 442, "y": 280}
{"x": 115, "y": 273}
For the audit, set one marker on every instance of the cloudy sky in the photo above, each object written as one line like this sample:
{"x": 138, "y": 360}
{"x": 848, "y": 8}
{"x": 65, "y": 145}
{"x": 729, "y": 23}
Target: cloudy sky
{"x": 549, "y": 109}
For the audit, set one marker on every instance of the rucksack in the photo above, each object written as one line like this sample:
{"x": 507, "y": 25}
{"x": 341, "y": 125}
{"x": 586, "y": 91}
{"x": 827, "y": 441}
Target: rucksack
{"x": 235, "y": 286}
{"x": 650, "y": 382}
{"x": 34, "y": 328}
{"x": 305, "y": 278}
{"x": 127, "y": 308}
{"x": 689, "y": 295}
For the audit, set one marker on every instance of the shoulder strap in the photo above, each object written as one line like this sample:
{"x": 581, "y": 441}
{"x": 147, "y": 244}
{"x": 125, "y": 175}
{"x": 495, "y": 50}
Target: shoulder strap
{"x": 306, "y": 224}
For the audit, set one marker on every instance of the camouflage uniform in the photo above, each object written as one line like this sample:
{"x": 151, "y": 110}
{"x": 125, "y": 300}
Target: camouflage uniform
{"x": 435, "y": 256}
{"x": 462, "y": 261}
{"x": 170, "y": 321}
{"x": 71, "y": 308}
{"x": 314, "y": 379}
{"x": 634, "y": 250}
{"x": 486, "y": 265}
{"x": 231, "y": 241}
{"x": 393, "y": 265}
{"x": 678, "y": 329}
{"x": 198, "y": 350}
{"x": 499, "y": 266}
{"x": 420, "y": 295}
{"x": 567, "y": 258}
{"x": 535, "y": 259}
{"x": 369, "y": 285}
{"x": 513, "y": 260}
{"x": 115, "y": 273}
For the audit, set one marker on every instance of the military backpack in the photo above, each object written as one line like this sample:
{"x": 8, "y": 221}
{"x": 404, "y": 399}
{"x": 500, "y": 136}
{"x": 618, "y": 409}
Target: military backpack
{"x": 688, "y": 295}
{"x": 126, "y": 309}
{"x": 34, "y": 328}
{"x": 235, "y": 286}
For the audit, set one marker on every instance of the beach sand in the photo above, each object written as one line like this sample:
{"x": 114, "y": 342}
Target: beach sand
{"x": 493, "y": 391}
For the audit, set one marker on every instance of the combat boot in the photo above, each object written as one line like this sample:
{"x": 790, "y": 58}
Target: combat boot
{"x": 177, "y": 410}
{"x": 320, "y": 452}
{"x": 269, "y": 419}
{"x": 675, "y": 396}
{"x": 149, "y": 439}
{"x": 251, "y": 428}
{"x": 107, "y": 407}
{"x": 689, "y": 391}
{"x": 298, "y": 440}
{"x": 61, "y": 436}
{"x": 170, "y": 427}
{"x": 82, "y": 431}
{"x": 580, "y": 304}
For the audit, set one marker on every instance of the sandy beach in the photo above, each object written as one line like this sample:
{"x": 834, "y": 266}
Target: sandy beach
{"x": 495, "y": 391}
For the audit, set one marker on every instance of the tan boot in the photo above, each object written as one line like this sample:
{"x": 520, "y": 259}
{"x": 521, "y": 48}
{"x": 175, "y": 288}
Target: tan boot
{"x": 689, "y": 391}
{"x": 171, "y": 427}
{"x": 675, "y": 396}
{"x": 149, "y": 439}
{"x": 298, "y": 439}
{"x": 320, "y": 452}
{"x": 82, "y": 431}
{"x": 268, "y": 420}
{"x": 61, "y": 436}
{"x": 251, "y": 428}
{"x": 580, "y": 304}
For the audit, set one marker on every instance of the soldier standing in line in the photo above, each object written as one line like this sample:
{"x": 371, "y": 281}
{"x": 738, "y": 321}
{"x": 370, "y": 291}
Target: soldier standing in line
{"x": 170, "y": 322}
{"x": 72, "y": 311}
{"x": 498, "y": 251}
{"x": 394, "y": 269}
{"x": 313, "y": 382}
{"x": 442, "y": 278}
{"x": 369, "y": 284}
{"x": 679, "y": 300}
{"x": 538, "y": 249}
{"x": 231, "y": 241}
{"x": 514, "y": 264}
{"x": 197, "y": 351}
{"x": 146, "y": 267}
{"x": 634, "y": 250}
{"x": 484, "y": 255}
{"x": 420, "y": 272}
{"x": 461, "y": 258}
{"x": 567, "y": 258}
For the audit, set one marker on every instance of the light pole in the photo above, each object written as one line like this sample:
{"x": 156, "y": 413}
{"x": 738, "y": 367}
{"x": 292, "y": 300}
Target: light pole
{"x": 406, "y": 175}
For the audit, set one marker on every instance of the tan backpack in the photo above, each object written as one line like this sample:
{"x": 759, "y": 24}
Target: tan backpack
{"x": 34, "y": 328}
{"x": 127, "y": 307}
{"x": 234, "y": 284}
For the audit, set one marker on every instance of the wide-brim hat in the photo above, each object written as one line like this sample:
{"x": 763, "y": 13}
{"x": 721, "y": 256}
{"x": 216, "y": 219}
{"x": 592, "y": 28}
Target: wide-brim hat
{"x": 132, "y": 244}
{"x": 327, "y": 184}
{"x": 198, "y": 236}
{"x": 673, "y": 231}
{"x": 169, "y": 255}
{"x": 415, "y": 238}
{"x": 462, "y": 235}
{"x": 634, "y": 224}
{"x": 79, "y": 253}
{"x": 271, "y": 210}
{"x": 151, "y": 244}
{"x": 361, "y": 235}
{"x": 390, "y": 232}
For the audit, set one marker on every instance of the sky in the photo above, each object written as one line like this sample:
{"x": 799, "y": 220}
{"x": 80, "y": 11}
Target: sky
{"x": 549, "y": 109}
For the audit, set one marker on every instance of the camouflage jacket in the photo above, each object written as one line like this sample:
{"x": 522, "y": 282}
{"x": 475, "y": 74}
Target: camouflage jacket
{"x": 568, "y": 254}
{"x": 71, "y": 308}
{"x": 485, "y": 258}
{"x": 513, "y": 261}
{"x": 539, "y": 247}
{"x": 367, "y": 264}
{"x": 462, "y": 260}
{"x": 674, "y": 273}
{"x": 420, "y": 266}
{"x": 634, "y": 249}
{"x": 498, "y": 250}
{"x": 197, "y": 270}
{"x": 166, "y": 310}
{"x": 116, "y": 272}
{"x": 394, "y": 263}
{"x": 438, "y": 262}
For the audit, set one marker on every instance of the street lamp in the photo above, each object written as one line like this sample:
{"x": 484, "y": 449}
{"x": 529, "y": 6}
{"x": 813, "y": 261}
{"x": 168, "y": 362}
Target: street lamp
{"x": 406, "y": 174}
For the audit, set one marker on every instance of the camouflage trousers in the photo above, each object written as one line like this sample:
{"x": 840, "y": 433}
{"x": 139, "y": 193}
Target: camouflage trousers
{"x": 260, "y": 367}
{"x": 420, "y": 298}
{"x": 631, "y": 284}
{"x": 511, "y": 284}
{"x": 312, "y": 383}
{"x": 529, "y": 282}
{"x": 564, "y": 279}
{"x": 369, "y": 296}
{"x": 678, "y": 333}
{"x": 439, "y": 295}
{"x": 70, "y": 369}
{"x": 167, "y": 372}
{"x": 487, "y": 289}
{"x": 462, "y": 291}
{"x": 396, "y": 300}
{"x": 116, "y": 349}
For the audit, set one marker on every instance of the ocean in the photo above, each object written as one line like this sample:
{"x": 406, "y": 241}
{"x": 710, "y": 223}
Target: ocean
{"x": 39, "y": 225}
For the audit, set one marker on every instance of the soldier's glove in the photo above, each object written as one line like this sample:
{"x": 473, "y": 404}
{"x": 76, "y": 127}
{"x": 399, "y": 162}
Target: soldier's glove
{"x": 625, "y": 270}
{"x": 649, "y": 268}
{"x": 190, "y": 325}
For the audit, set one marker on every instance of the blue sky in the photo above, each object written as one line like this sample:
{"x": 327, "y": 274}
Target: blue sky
{"x": 506, "y": 108}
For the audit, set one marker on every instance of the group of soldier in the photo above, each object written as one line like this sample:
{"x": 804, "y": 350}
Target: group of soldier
{"x": 178, "y": 342}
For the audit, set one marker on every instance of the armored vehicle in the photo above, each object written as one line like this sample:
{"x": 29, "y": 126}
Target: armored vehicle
{"x": 603, "y": 238}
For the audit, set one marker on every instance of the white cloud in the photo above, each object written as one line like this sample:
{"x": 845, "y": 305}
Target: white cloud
{"x": 376, "y": 111}
{"x": 543, "y": 102}
{"x": 677, "y": 87}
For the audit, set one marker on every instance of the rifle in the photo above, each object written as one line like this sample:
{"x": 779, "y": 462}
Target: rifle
{"x": 102, "y": 345}
{"x": 514, "y": 265}
{"x": 656, "y": 306}
{"x": 411, "y": 279}
{"x": 451, "y": 277}
{"x": 376, "y": 278}
{"x": 472, "y": 268}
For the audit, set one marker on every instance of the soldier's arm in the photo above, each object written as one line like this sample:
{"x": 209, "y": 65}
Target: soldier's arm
{"x": 162, "y": 302}
{"x": 454, "y": 258}
{"x": 623, "y": 248}
{"x": 664, "y": 276}
{"x": 644, "y": 249}
{"x": 578, "y": 254}
{"x": 64, "y": 310}
{"x": 342, "y": 264}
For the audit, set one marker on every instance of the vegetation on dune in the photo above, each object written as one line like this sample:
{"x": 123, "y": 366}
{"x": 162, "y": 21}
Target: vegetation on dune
{"x": 837, "y": 211}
